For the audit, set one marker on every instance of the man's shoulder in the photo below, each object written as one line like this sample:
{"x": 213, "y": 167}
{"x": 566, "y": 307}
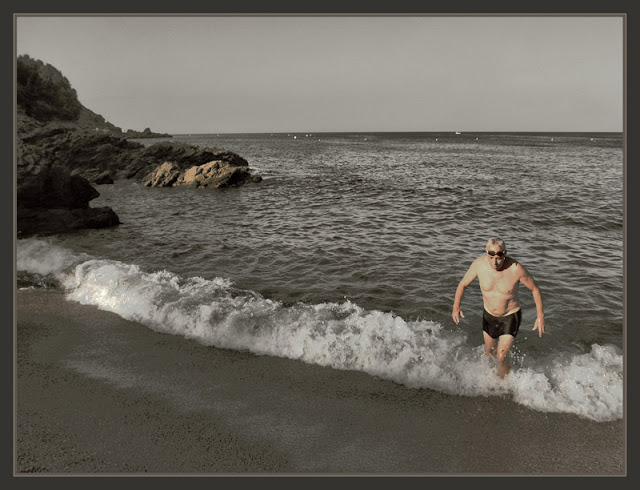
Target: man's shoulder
{"x": 516, "y": 266}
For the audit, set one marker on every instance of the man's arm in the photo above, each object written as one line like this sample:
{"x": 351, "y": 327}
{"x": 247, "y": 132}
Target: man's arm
{"x": 468, "y": 278}
{"x": 528, "y": 281}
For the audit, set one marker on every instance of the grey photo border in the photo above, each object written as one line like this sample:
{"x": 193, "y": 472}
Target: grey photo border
{"x": 254, "y": 8}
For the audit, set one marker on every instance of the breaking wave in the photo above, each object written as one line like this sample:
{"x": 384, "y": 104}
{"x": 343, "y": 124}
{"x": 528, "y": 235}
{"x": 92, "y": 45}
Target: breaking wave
{"x": 415, "y": 353}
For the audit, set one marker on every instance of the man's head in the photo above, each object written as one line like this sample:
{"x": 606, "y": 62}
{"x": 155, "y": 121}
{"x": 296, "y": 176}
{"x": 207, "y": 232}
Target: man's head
{"x": 496, "y": 252}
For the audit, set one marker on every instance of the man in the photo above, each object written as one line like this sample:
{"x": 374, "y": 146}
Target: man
{"x": 499, "y": 277}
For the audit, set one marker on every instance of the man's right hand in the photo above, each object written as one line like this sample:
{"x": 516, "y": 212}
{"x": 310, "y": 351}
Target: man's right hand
{"x": 456, "y": 314}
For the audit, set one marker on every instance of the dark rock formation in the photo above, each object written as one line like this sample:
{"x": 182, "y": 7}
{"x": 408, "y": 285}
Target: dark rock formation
{"x": 62, "y": 147}
{"x": 49, "y": 186}
{"x": 78, "y": 150}
{"x": 182, "y": 155}
{"x": 103, "y": 178}
{"x": 147, "y": 133}
{"x": 95, "y": 176}
{"x": 45, "y": 221}
{"x": 51, "y": 200}
{"x": 91, "y": 154}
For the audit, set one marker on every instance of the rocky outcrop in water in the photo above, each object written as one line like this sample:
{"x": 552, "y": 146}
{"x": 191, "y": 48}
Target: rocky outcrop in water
{"x": 63, "y": 147}
{"x": 215, "y": 174}
{"x": 147, "y": 133}
{"x": 184, "y": 156}
{"x": 95, "y": 155}
{"x": 51, "y": 200}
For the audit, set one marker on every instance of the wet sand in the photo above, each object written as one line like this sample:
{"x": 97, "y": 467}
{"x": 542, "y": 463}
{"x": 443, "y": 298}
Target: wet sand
{"x": 100, "y": 395}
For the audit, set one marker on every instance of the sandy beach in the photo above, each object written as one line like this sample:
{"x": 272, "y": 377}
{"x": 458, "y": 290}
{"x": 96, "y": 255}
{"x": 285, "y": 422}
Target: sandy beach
{"x": 100, "y": 395}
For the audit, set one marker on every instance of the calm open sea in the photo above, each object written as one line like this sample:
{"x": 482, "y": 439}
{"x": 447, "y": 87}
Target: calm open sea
{"x": 349, "y": 252}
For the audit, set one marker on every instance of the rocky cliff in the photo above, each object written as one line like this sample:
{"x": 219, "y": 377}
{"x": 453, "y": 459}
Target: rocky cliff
{"x": 49, "y": 198}
{"x": 62, "y": 148}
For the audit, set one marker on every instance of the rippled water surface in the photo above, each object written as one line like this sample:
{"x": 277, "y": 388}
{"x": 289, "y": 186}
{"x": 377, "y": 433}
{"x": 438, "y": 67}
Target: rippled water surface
{"x": 392, "y": 221}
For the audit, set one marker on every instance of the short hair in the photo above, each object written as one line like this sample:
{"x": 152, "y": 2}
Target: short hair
{"x": 497, "y": 241}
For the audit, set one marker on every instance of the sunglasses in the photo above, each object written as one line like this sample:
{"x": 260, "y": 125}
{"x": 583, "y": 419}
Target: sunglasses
{"x": 499, "y": 254}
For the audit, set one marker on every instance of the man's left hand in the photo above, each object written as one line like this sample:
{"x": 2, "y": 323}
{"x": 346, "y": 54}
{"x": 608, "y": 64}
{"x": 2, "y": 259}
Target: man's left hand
{"x": 539, "y": 325}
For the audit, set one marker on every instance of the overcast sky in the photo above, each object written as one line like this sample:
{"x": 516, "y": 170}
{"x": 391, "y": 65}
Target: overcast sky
{"x": 217, "y": 74}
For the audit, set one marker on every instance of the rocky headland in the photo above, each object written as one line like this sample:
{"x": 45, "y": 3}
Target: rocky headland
{"x": 63, "y": 148}
{"x": 147, "y": 133}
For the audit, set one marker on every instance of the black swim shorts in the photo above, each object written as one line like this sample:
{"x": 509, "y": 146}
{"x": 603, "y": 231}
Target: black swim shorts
{"x": 501, "y": 325}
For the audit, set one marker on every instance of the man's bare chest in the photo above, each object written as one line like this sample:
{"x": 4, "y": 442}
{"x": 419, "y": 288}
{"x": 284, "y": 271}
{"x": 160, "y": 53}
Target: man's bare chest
{"x": 498, "y": 282}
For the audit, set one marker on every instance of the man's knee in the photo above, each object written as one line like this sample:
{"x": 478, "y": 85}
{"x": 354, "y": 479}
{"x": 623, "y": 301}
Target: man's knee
{"x": 501, "y": 355}
{"x": 503, "y": 347}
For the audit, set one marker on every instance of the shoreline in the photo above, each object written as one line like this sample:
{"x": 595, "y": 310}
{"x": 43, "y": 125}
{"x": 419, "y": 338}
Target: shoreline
{"x": 100, "y": 395}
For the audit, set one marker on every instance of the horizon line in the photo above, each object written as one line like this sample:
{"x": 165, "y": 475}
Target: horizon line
{"x": 453, "y": 133}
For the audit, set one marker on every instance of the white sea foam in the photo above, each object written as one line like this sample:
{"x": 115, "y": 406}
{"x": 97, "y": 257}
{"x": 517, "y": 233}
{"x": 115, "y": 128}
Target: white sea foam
{"x": 418, "y": 354}
{"x": 43, "y": 257}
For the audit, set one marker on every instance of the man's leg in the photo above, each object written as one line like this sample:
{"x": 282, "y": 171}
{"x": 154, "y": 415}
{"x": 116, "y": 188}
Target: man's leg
{"x": 504, "y": 344}
{"x": 489, "y": 344}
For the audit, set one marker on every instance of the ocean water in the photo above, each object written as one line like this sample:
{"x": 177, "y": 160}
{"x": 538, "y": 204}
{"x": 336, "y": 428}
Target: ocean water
{"x": 349, "y": 252}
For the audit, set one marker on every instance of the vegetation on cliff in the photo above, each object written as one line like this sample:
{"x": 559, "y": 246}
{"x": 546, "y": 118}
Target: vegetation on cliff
{"x": 44, "y": 93}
